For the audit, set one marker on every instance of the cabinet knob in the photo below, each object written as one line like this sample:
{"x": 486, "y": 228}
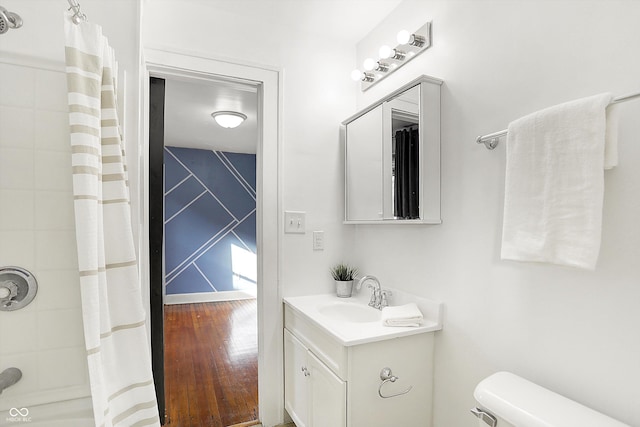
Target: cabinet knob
{"x": 305, "y": 371}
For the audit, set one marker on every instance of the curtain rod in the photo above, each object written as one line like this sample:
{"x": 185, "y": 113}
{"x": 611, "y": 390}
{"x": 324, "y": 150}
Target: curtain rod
{"x": 490, "y": 140}
{"x": 78, "y": 16}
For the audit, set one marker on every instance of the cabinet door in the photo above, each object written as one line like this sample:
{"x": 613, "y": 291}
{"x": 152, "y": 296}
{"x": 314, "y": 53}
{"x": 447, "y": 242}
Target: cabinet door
{"x": 295, "y": 380}
{"x": 363, "y": 171}
{"x": 327, "y": 395}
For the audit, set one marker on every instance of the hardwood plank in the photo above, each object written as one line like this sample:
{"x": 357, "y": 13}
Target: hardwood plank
{"x": 211, "y": 363}
{"x": 247, "y": 424}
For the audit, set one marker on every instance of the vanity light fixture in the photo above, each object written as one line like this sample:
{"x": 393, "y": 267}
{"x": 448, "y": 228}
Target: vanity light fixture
{"x": 358, "y": 75}
{"x": 386, "y": 52}
{"x": 368, "y": 64}
{"x": 371, "y": 65}
{"x": 382, "y": 66}
{"x": 228, "y": 119}
{"x": 404, "y": 37}
{"x": 409, "y": 46}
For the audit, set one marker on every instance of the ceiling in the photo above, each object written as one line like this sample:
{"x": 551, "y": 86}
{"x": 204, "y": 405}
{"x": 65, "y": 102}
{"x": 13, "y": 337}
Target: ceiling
{"x": 189, "y": 104}
{"x": 346, "y": 20}
{"x": 187, "y": 116}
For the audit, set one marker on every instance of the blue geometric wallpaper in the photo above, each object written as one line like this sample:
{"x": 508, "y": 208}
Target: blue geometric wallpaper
{"x": 209, "y": 221}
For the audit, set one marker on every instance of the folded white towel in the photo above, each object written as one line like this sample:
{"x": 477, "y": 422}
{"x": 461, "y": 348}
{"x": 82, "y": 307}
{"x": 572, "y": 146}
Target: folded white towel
{"x": 554, "y": 183}
{"x": 402, "y": 315}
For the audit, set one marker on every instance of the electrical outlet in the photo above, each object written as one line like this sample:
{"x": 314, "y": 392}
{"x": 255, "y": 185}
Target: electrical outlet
{"x": 318, "y": 240}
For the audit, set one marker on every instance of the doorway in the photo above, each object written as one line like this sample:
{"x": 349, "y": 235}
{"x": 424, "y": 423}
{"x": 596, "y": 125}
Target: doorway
{"x": 164, "y": 64}
{"x": 209, "y": 256}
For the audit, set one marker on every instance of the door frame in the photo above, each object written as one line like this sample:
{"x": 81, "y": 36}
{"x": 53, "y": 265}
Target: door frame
{"x": 268, "y": 80}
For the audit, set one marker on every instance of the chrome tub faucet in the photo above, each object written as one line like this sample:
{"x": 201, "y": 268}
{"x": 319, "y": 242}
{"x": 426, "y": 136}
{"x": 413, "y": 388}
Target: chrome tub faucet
{"x": 9, "y": 377}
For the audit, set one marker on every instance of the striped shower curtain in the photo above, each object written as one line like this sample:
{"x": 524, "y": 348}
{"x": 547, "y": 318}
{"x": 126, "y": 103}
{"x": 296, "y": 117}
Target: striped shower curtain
{"x": 122, "y": 388}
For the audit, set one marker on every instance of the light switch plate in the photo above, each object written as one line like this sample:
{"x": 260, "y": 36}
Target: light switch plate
{"x": 294, "y": 222}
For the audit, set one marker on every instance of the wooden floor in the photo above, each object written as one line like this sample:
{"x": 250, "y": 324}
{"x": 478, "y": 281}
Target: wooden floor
{"x": 211, "y": 364}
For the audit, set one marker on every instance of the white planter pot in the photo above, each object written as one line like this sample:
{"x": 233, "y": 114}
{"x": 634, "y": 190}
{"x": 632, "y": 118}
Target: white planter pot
{"x": 344, "y": 288}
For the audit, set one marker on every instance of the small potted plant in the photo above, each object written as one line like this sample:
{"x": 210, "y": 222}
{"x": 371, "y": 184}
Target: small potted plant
{"x": 344, "y": 275}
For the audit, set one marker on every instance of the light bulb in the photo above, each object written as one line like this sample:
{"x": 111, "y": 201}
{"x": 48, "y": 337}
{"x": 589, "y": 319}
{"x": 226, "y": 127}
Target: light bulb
{"x": 369, "y": 64}
{"x": 356, "y": 75}
{"x": 385, "y": 52}
{"x": 397, "y": 55}
{"x": 403, "y": 37}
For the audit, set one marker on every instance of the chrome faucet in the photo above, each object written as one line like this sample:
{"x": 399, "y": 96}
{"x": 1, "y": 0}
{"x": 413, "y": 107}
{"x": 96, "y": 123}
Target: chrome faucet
{"x": 9, "y": 377}
{"x": 378, "y": 295}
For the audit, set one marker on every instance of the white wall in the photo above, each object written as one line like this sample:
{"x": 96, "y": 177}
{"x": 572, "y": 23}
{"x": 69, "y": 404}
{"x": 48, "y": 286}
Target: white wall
{"x": 42, "y": 37}
{"x": 573, "y": 331}
{"x": 37, "y": 232}
{"x": 315, "y": 100}
{"x": 44, "y": 339}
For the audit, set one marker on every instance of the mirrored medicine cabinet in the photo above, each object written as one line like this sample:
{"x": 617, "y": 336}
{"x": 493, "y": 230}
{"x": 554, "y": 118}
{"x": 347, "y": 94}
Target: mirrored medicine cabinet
{"x": 392, "y": 158}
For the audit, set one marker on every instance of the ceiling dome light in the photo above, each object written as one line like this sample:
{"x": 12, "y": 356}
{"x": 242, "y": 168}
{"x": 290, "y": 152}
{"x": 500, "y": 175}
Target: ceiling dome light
{"x": 228, "y": 119}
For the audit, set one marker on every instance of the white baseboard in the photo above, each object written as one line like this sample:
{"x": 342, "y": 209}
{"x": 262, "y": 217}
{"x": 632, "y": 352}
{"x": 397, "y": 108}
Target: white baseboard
{"x": 207, "y": 297}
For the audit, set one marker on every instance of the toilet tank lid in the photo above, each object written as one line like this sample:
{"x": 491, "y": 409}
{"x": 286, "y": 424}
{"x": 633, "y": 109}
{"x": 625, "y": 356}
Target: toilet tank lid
{"x": 525, "y": 404}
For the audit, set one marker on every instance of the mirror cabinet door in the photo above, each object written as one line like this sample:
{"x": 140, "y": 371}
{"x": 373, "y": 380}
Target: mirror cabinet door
{"x": 401, "y": 145}
{"x": 365, "y": 165}
{"x": 392, "y": 157}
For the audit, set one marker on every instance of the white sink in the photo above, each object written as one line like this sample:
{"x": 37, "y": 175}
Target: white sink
{"x": 350, "y": 312}
{"x": 351, "y": 321}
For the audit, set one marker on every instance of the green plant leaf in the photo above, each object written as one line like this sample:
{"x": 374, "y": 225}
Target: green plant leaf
{"x": 343, "y": 272}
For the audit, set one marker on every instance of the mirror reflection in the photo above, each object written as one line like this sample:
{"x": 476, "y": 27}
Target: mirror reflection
{"x": 405, "y": 152}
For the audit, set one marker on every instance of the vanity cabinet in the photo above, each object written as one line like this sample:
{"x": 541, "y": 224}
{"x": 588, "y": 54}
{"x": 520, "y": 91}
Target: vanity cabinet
{"x": 332, "y": 384}
{"x": 314, "y": 395}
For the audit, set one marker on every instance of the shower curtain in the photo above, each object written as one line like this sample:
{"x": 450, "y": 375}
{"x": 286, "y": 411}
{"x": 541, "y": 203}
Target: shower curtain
{"x": 407, "y": 174}
{"x": 120, "y": 375}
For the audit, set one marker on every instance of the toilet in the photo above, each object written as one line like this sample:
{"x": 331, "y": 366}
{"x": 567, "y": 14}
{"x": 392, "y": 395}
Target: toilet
{"x": 507, "y": 400}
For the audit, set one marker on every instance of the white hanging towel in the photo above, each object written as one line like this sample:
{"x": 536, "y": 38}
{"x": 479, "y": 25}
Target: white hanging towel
{"x": 554, "y": 183}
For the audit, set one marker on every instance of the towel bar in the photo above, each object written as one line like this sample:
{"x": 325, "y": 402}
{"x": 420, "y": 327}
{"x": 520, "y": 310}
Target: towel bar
{"x": 491, "y": 140}
{"x": 387, "y": 376}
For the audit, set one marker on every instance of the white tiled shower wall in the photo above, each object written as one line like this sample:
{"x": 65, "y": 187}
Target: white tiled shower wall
{"x": 45, "y": 339}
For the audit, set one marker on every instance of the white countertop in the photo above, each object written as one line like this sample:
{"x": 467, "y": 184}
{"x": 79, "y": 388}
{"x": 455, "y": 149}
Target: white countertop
{"x": 354, "y": 333}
